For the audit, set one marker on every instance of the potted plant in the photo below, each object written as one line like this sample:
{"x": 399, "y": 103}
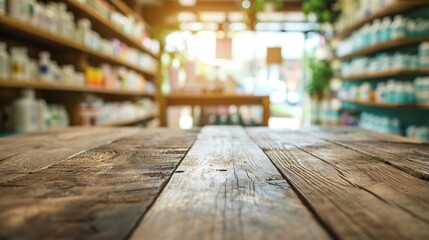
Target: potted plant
{"x": 321, "y": 74}
{"x": 326, "y": 11}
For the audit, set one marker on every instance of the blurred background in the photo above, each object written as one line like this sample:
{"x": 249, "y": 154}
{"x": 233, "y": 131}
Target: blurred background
{"x": 189, "y": 63}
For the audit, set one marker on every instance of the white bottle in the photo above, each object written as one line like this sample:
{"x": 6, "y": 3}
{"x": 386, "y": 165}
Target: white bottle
{"x": 51, "y": 18}
{"x": 62, "y": 19}
{"x": 45, "y": 73}
{"x": 25, "y": 118}
{"x": 42, "y": 114}
{"x": 399, "y": 27}
{"x": 4, "y": 61}
{"x": 18, "y": 9}
{"x": 17, "y": 64}
{"x": 2, "y": 7}
{"x": 85, "y": 31}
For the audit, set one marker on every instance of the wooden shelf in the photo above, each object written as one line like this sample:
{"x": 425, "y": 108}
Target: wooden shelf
{"x": 70, "y": 88}
{"x": 387, "y": 73}
{"x": 388, "y": 45}
{"x": 147, "y": 117}
{"x": 125, "y": 9}
{"x": 387, "y": 105}
{"x": 398, "y": 6}
{"x": 16, "y": 27}
{"x": 105, "y": 26}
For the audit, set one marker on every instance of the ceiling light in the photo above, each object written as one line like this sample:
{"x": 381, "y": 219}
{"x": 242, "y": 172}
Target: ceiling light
{"x": 187, "y": 2}
{"x": 245, "y": 4}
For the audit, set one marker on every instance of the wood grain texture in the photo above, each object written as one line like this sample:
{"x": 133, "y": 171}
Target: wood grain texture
{"x": 226, "y": 188}
{"x": 26, "y": 154}
{"x": 402, "y": 153}
{"x": 100, "y": 194}
{"x": 356, "y": 195}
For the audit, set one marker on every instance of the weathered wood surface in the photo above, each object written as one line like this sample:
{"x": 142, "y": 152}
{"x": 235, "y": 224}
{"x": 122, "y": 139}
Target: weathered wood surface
{"x": 99, "y": 194}
{"x": 26, "y": 154}
{"x": 227, "y": 188}
{"x": 230, "y": 184}
{"x": 357, "y": 196}
{"x": 402, "y": 153}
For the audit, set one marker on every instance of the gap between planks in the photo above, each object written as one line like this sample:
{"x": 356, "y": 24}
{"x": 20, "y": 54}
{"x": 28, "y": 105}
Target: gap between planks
{"x": 100, "y": 194}
{"x": 356, "y": 195}
{"x": 227, "y": 188}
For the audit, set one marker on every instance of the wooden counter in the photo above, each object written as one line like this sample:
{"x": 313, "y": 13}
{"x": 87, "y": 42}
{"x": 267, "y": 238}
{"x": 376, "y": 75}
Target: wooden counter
{"x": 213, "y": 100}
{"x": 213, "y": 183}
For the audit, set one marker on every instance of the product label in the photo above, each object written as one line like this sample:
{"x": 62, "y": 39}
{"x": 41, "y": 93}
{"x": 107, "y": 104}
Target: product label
{"x": 44, "y": 69}
{"x": 16, "y": 68}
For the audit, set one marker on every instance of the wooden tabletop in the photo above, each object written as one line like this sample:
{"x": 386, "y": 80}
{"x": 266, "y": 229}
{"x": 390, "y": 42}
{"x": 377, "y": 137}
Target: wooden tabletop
{"x": 213, "y": 183}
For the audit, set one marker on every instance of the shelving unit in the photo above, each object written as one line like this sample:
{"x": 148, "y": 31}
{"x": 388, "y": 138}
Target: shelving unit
{"x": 388, "y": 45}
{"x": 10, "y": 25}
{"x": 386, "y": 74}
{"x": 105, "y": 26}
{"x": 407, "y": 114}
{"x": 69, "y": 51}
{"x": 396, "y": 7}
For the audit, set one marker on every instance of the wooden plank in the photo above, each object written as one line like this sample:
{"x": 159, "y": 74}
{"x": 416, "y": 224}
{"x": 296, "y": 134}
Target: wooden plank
{"x": 226, "y": 188}
{"x": 100, "y": 194}
{"x": 355, "y": 195}
{"x": 408, "y": 156}
{"x": 26, "y": 154}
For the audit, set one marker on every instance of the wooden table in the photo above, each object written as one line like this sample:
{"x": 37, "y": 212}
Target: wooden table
{"x": 213, "y": 100}
{"x": 213, "y": 183}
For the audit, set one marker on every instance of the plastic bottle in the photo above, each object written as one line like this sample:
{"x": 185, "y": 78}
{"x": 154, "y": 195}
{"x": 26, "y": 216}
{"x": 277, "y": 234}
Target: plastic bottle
{"x": 18, "y": 9}
{"x": 25, "y": 118}
{"x": 375, "y": 31}
{"x": 62, "y": 19}
{"x": 2, "y": 7}
{"x": 42, "y": 114}
{"x": 4, "y": 61}
{"x": 51, "y": 18}
{"x": 45, "y": 72}
{"x": 31, "y": 11}
{"x": 399, "y": 27}
{"x": 84, "y": 26}
{"x": 385, "y": 29}
{"x": 17, "y": 64}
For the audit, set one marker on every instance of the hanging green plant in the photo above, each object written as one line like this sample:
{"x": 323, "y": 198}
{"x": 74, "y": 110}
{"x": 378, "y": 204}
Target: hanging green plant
{"x": 258, "y": 5}
{"x": 321, "y": 75}
{"x": 326, "y": 11}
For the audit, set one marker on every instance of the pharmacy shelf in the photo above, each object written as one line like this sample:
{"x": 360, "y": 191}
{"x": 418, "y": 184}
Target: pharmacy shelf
{"x": 386, "y": 74}
{"x": 104, "y": 26}
{"x": 387, "y": 105}
{"x": 383, "y": 46}
{"x": 71, "y": 88}
{"x": 128, "y": 122}
{"x": 398, "y": 6}
{"x": 125, "y": 9}
{"x": 17, "y": 28}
